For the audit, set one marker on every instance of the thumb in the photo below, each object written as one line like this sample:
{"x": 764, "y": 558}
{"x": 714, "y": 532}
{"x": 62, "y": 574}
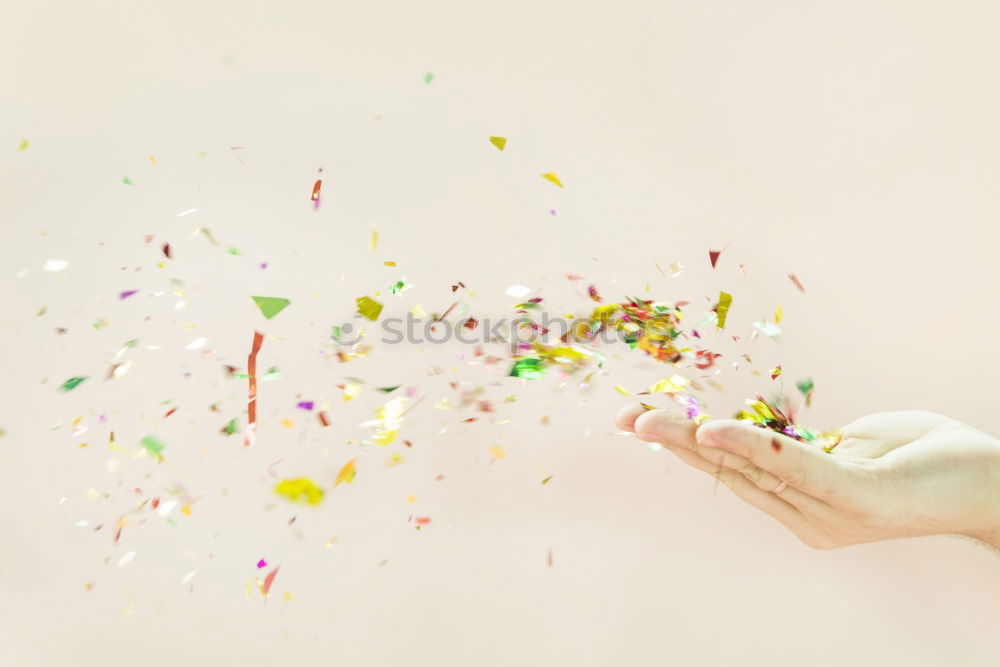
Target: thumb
{"x": 805, "y": 467}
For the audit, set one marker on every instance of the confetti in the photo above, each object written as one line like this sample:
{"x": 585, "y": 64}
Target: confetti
{"x": 368, "y": 307}
{"x": 300, "y": 490}
{"x": 346, "y": 474}
{"x": 127, "y": 181}
{"x": 250, "y": 435}
{"x": 373, "y": 241}
{"x": 497, "y": 452}
{"x": 55, "y": 265}
{"x": 127, "y": 293}
{"x": 769, "y": 415}
{"x": 72, "y": 383}
{"x": 153, "y": 446}
{"x": 722, "y": 310}
{"x": 713, "y": 256}
{"x": 314, "y": 198}
{"x": 126, "y": 559}
{"x": 261, "y": 564}
{"x": 795, "y": 281}
{"x": 428, "y": 77}
{"x": 399, "y": 287}
{"x": 24, "y": 144}
{"x": 499, "y": 142}
{"x": 775, "y": 372}
{"x": 553, "y": 178}
{"x": 270, "y": 305}
{"x": 265, "y": 588}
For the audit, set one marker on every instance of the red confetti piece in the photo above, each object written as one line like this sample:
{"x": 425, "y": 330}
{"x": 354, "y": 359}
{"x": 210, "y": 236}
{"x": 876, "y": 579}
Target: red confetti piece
{"x": 791, "y": 276}
{"x": 268, "y": 580}
{"x": 315, "y": 193}
{"x": 323, "y": 419}
{"x": 170, "y": 412}
{"x": 713, "y": 255}
{"x": 166, "y": 251}
{"x": 250, "y": 435}
{"x": 423, "y": 520}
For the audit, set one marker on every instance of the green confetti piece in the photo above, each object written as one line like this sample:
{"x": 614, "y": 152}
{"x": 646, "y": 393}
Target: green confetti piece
{"x": 235, "y": 251}
{"x": 528, "y": 367}
{"x": 24, "y": 144}
{"x": 300, "y": 490}
{"x": 369, "y": 307}
{"x": 499, "y": 142}
{"x": 231, "y": 427}
{"x": 389, "y": 390}
{"x": 400, "y": 286}
{"x": 725, "y": 300}
{"x": 153, "y": 446}
{"x": 72, "y": 383}
{"x": 805, "y": 386}
{"x": 428, "y": 78}
{"x": 127, "y": 181}
{"x": 270, "y": 305}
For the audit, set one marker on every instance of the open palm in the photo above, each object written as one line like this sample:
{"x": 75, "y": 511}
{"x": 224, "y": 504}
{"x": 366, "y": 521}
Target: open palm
{"x": 893, "y": 474}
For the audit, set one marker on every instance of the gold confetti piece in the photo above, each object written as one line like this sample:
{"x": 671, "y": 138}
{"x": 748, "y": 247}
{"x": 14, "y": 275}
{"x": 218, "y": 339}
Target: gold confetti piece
{"x": 499, "y": 142}
{"x": 346, "y": 474}
{"x": 725, "y": 300}
{"x": 186, "y": 510}
{"x": 646, "y": 406}
{"x": 670, "y": 385}
{"x": 388, "y": 263}
{"x": 300, "y": 490}
{"x": 777, "y": 315}
{"x": 497, "y": 452}
{"x": 288, "y": 596}
{"x": 287, "y": 423}
{"x": 373, "y": 240}
{"x": 775, "y": 372}
{"x": 552, "y": 177}
{"x": 411, "y": 499}
{"x": 369, "y": 307}
{"x": 547, "y": 480}
{"x": 622, "y": 390}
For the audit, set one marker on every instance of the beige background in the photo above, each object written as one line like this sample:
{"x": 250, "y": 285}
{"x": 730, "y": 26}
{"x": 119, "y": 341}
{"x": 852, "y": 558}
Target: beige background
{"x": 852, "y": 143}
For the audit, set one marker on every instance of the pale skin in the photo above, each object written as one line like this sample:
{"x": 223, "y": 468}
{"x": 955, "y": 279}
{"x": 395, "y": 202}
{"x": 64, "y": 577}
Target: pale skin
{"x": 894, "y": 474}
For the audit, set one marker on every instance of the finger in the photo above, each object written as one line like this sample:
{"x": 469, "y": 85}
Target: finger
{"x": 778, "y": 508}
{"x": 677, "y": 436}
{"x": 806, "y": 468}
{"x": 625, "y": 419}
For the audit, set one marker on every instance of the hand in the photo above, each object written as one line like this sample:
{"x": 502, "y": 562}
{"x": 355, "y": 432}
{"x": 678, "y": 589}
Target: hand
{"x": 893, "y": 474}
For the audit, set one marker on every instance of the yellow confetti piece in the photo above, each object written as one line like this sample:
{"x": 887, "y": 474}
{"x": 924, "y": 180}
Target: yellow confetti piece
{"x": 497, "y": 452}
{"x": 153, "y": 160}
{"x": 411, "y": 499}
{"x": 777, "y": 315}
{"x": 499, "y": 142}
{"x": 373, "y": 240}
{"x": 670, "y": 385}
{"x": 346, "y": 474}
{"x": 396, "y": 459}
{"x": 24, "y": 144}
{"x": 418, "y": 312}
{"x": 725, "y": 300}
{"x": 622, "y": 390}
{"x": 388, "y": 263}
{"x": 287, "y": 423}
{"x": 288, "y": 596}
{"x": 368, "y": 307}
{"x": 300, "y": 490}
{"x": 186, "y": 510}
{"x": 351, "y": 390}
{"x": 775, "y": 372}
{"x": 553, "y": 178}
